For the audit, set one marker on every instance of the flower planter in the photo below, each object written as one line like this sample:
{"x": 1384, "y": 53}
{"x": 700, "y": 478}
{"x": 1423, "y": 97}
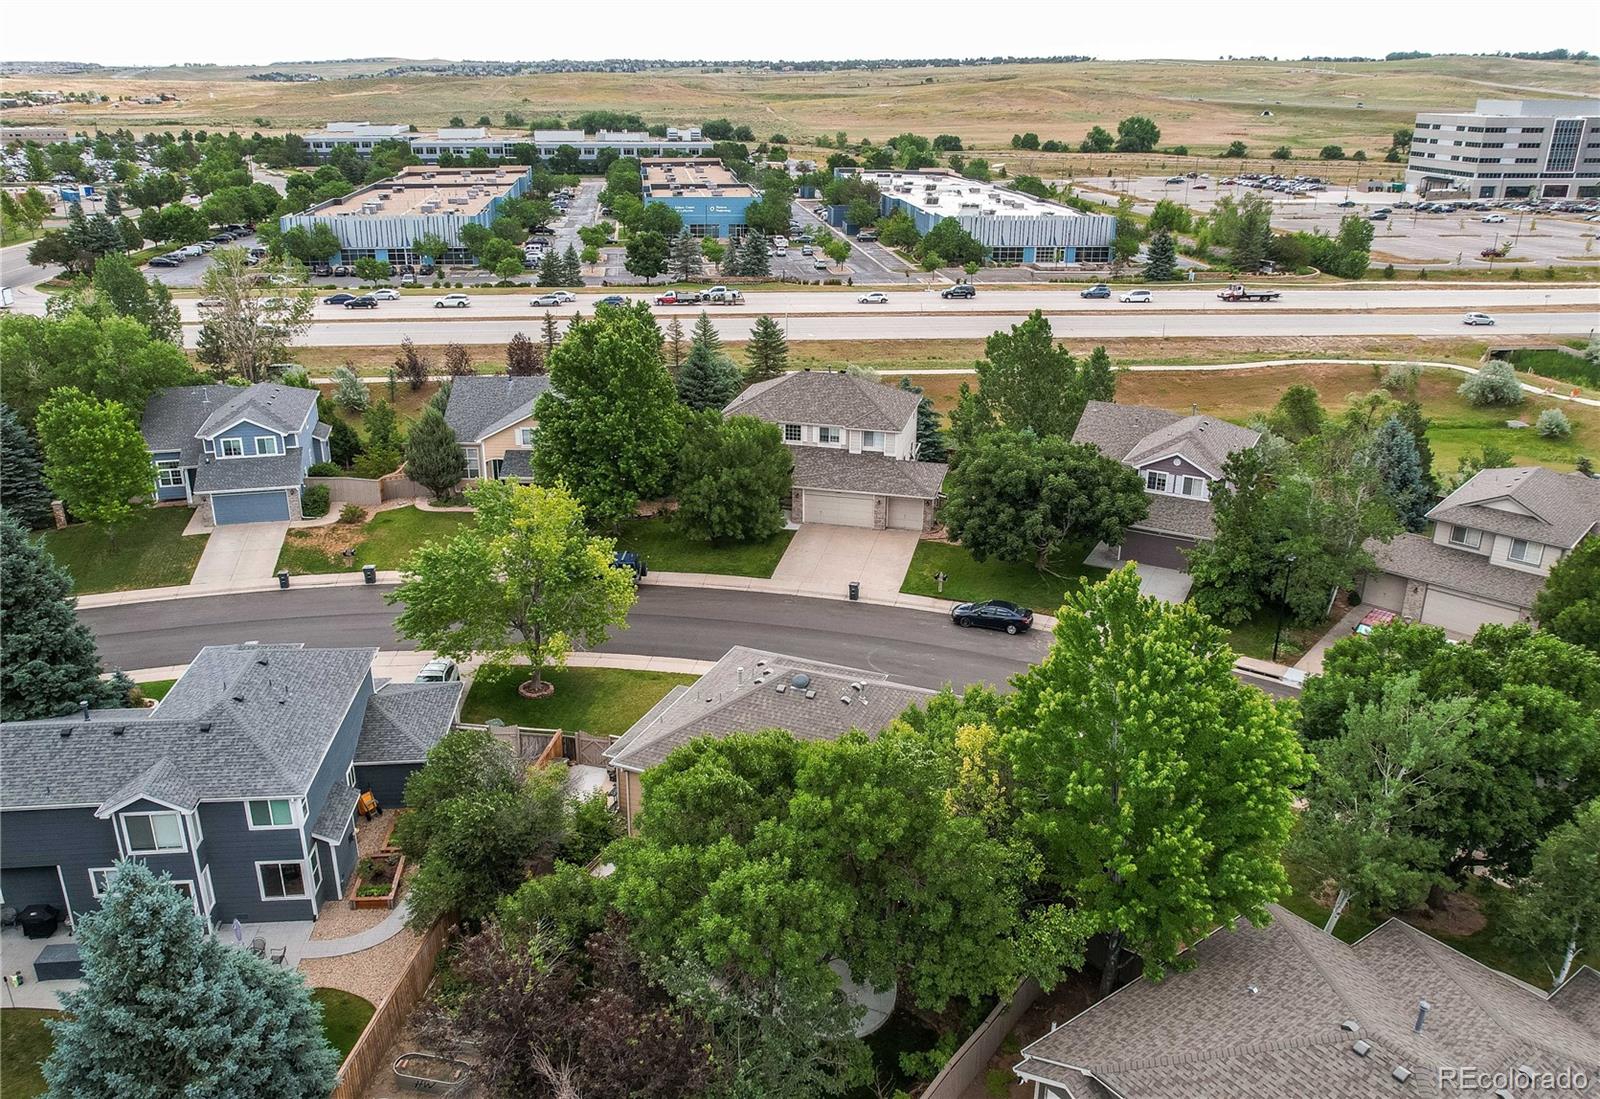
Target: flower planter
{"x": 388, "y": 867}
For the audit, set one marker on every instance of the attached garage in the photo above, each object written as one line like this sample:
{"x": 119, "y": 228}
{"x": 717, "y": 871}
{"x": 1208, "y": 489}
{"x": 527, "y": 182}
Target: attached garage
{"x": 842, "y": 509}
{"x": 1460, "y": 614}
{"x": 267, "y": 506}
{"x": 1156, "y": 549}
{"x": 905, "y": 512}
{"x": 1384, "y": 589}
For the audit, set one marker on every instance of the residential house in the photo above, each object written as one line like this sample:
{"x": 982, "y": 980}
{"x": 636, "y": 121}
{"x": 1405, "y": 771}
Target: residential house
{"x": 1494, "y": 541}
{"x": 241, "y": 783}
{"x": 747, "y": 690}
{"x": 241, "y": 453}
{"x": 492, "y": 417}
{"x": 854, "y": 443}
{"x": 1179, "y": 459}
{"x": 1287, "y": 1010}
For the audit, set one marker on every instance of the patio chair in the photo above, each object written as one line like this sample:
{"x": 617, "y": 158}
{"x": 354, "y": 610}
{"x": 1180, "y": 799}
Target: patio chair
{"x": 258, "y": 947}
{"x": 279, "y": 954}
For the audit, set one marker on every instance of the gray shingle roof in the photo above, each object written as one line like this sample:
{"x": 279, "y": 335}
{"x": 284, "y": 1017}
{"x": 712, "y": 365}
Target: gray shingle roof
{"x": 719, "y": 704}
{"x": 479, "y": 404}
{"x": 1579, "y": 997}
{"x": 1117, "y": 428}
{"x": 1565, "y": 506}
{"x": 283, "y": 408}
{"x": 1175, "y": 515}
{"x": 334, "y": 820}
{"x": 822, "y": 467}
{"x": 243, "y": 721}
{"x": 405, "y": 720}
{"x": 1262, "y": 1012}
{"x": 517, "y": 464}
{"x": 173, "y": 416}
{"x": 1418, "y": 557}
{"x": 236, "y": 474}
{"x": 1136, "y": 435}
{"x": 827, "y": 397}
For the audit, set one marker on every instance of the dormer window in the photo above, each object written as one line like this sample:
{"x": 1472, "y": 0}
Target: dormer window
{"x": 791, "y": 433}
{"x": 829, "y": 435}
{"x": 1155, "y": 480}
{"x": 152, "y": 833}
{"x": 525, "y": 436}
{"x": 1466, "y": 537}
{"x": 1524, "y": 552}
{"x": 231, "y": 448}
{"x": 267, "y": 445}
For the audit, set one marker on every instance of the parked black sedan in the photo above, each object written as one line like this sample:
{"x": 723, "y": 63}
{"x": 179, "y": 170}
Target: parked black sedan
{"x": 365, "y": 301}
{"x": 993, "y": 614}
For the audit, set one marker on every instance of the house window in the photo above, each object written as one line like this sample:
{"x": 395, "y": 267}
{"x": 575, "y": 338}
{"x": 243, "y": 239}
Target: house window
{"x": 152, "y": 833}
{"x": 791, "y": 433}
{"x": 168, "y": 475}
{"x": 525, "y": 436}
{"x": 1529, "y": 553}
{"x": 276, "y": 813}
{"x": 195, "y": 834}
{"x": 316, "y": 866}
{"x": 872, "y": 440}
{"x": 100, "y": 879}
{"x": 828, "y": 434}
{"x": 1191, "y": 486}
{"x": 232, "y": 448}
{"x": 471, "y": 455}
{"x": 208, "y": 893}
{"x": 1155, "y": 480}
{"x": 1466, "y": 537}
{"x": 267, "y": 445}
{"x": 282, "y": 881}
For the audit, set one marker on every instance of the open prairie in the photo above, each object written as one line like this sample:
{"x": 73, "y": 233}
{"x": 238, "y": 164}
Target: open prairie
{"x": 1202, "y": 104}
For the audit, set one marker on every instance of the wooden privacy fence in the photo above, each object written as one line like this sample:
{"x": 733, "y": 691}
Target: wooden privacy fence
{"x": 370, "y": 492}
{"x": 971, "y": 1060}
{"x": 369, "y": 1057}
{"x": 543, "y": 746}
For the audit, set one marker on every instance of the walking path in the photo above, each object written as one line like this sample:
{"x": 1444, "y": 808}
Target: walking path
{"x": 391, "y": 925}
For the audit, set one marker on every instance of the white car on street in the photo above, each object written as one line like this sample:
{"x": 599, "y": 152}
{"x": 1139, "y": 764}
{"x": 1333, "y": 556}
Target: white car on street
{"x": 1477, "y": 318}
{"x": 1493, "y": 219}
{"x": 452, "y": 301}
{"x": 877, "y": 297}
{"x": 438, "y": 671}
{"x": 385, "y": 293}
{"x": 1136, "y": 297}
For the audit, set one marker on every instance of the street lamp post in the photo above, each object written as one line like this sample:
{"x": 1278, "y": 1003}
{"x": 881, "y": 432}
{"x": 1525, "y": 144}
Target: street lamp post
{"x": 1283, "y": 602}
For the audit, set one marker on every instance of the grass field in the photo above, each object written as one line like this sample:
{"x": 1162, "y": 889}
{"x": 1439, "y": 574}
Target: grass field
{"x": 603, "y": 701}
{"x": 663, "y": 549}
{"x": 156, "y": 689}
{"x": 148, "y": 552}
{"x": 24, "y": 1043}
{"x": 970, "y": 580}
{"x": 385, "y": 540}
{"x": 344, "y": 1016}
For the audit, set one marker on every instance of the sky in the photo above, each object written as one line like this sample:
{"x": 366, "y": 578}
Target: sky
{"x": 162, "y": 32}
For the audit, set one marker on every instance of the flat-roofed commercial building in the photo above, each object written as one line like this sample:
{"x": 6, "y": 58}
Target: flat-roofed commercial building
{"x": 1509, "y": 148}
{"x": 707, "y": 196}
{"x": 680, "y": 141}
{"x": 463, "y": 141}
{"x": 1014, "y": 227}
{"x": 39, "y": 135}
{"x": 382, "y": 220}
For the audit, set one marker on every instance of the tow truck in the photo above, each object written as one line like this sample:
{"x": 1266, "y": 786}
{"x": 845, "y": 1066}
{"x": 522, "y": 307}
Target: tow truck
{"x": 1239, "y": 292}
{"x": 678, "y": 297}
{"x": 721, "y": 295}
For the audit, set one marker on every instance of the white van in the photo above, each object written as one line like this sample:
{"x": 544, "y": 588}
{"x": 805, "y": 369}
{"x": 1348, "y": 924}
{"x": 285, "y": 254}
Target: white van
{"x": 191, "y": 251}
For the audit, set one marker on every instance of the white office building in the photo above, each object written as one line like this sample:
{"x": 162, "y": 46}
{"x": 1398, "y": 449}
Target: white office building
{"x": 463, "y": 141}
{"x": 1509, "y": 148}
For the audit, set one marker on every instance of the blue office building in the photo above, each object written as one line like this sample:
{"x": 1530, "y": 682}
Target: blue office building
{"x": 708, "y": 197}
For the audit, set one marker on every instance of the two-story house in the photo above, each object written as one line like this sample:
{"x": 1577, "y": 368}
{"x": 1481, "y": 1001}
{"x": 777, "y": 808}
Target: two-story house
{"x": 1494, "y": 541}
{"x": 854, "y": 444}
{"x": 242, "y": 783}
{"x": 240, "y": 453}
{"x": 1179, "y": 459}
{"x": 493, "y": 419}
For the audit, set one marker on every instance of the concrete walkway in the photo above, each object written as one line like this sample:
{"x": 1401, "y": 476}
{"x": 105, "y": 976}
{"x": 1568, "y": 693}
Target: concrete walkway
{"x": 239, "y": 553}
{"x": 1311, "y": 662}
{"x": 388, "y": 928}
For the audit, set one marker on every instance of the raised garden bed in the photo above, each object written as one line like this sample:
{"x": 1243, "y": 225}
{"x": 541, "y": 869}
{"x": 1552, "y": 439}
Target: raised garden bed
{"x": 377, "y": 882}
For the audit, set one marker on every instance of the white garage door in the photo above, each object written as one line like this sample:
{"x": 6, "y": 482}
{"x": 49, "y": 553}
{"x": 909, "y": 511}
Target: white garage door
{"x": 1386, "y": 590}
{"x": 839, "y": 508}
{"x": 905, "y": 513}
{"x": 1459, "y": 614}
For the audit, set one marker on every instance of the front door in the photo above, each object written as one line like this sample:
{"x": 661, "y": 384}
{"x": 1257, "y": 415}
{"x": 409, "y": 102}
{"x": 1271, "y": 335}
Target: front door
{"x": 494, "y": 467}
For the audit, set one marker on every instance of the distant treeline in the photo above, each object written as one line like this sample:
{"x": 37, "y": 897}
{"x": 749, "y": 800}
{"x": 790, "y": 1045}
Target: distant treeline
{"x": 1419, "y": 55}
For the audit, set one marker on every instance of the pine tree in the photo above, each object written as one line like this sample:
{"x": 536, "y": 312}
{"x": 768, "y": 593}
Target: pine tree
{"x": 433, "y": 454}
{"x": 684, "y": 261}
{"x": 48, "y": 661}
{"x": 1162, "y": 264}
{"x": 1395, "y": 453}
{"x": 165, "y": 1009}
{"x": 571, "y": 270}
{"x": 754, "y": 262}
{"x": 708, "y": 377}
{"x": 552, "y": 331}
{"x": 22, "y": 490}
{"x": 675, "y": 345}
{"x": 551, "y": 271}
{"x": 930, "y": 436}
{"x": 767, "y": 353}
{"x": 113, "y": 203}
{"x": 344, "y": 445}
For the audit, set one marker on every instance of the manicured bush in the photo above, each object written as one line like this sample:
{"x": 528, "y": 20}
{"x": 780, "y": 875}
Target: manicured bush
{"x": 352, "y": 513}
{"x": 325, "y": 469}
{"x": 1553, "y": 424}
{"x": 1495, "y": 384}
{"x": 315, "y": 501}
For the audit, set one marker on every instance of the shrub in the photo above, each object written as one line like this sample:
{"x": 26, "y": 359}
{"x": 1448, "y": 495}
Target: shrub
{"x": 1553, "y": 424}
{"x": 1495, "y": 384}
{"x": 352, "y": 513}
{"x": 325, "y": 469}
{"x": 1388, "y": 271}
{"x": 1401, "y": 377}
{"x": 315, "y": 501}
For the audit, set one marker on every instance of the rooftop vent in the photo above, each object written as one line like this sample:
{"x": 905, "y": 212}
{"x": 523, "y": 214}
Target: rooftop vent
{"x": 781, "y": 688}
{"x": 205, "y": 727}
{"x": 238, "y": 698}
{"x": 1350, "y": 1026}
{"x": 1254, "y": 990}
{"x": 117, "y": 730}
{"x": 800, "y": 679}
{"x": 1423, "y": 1007}
{"x": 811, "y": 694}
{"x": 66, "y": 732}
{"x": 83, "y": 708}
{"x": 1361, "y": 1048}
{"x": 1401, "y": 1073}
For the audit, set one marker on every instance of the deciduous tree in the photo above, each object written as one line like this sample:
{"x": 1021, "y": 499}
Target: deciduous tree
{"x": 1569, "y": 603}
{"x": 112, "y": 357}
{"x": 95, "y": 459}
{"x": 646, "y": 254}
{"x": 732, "y": 477}
{"x": 523, "y": 357}
{"x": 256, "y": 321}
{"x": 1554, "y": 913}
{"x": 1028, "y": 382}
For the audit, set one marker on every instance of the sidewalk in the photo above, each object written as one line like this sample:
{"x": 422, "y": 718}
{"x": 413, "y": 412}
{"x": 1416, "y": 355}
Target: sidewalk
{"x": 402, "y": 664}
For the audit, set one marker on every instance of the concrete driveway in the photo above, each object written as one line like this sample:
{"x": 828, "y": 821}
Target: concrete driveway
{"x": 825, "y": 558}
{"x": 1170, "y": 585}
{"x": 240, "y": 552}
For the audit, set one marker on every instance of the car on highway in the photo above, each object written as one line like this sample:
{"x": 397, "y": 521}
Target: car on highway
{"x": 612, "y": 299}
{"x": 452, "y": 301}
{"x": 877, "y": 297}
{"x": 210, "y": 303}
{"x": 438, "y": 671}
{"x": 365, "y": 301}
{"x": 338, "y": 299}
{"x": 963, "y": 290}
{"x": 1346, "y": 204}
{"x": 1136, "y": 297}
{"x": 1099, "y": 290}
{"x": 993, "y": 614}
{"x": 677, "y": 297}
{"x": 547, "y": 300}
{"x": 1377, "y": 215}
{"x": 1493, "y": 219}
{"x": 385, "y": 293}
{"x": 1477, "y": 318}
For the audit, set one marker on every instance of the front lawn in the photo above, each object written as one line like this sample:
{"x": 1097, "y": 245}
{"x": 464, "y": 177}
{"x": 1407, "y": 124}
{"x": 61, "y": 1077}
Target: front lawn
{"x": 156, "y": 689}
{"x": 149, "y": 551}
{"x": 603, "y": 701}
{"x": 663, "y": 547}
{"x": 970, "y": 580}
{"x": 24, "y": 1044}
{"x": 344, "y": 1016}
{"x": 385, "y": 540}
{"x": 1254, "y": 638}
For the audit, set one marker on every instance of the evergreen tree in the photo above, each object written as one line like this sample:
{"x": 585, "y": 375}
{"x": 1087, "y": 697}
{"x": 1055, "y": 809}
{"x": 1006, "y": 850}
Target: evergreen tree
{"x": 930, "y": 436}
{"x": 23, "y": 494}
{"x": 571, "y": 270}
{"x": 674, "y": 346}
{"x": 48, "y": 662}
{"x": 1395, "y": 452}
{"x": 167, "y": 1010}
{"x": 754, "y": 261}
{"x": 113, "y": 203}
{"x": 344, "y": 445}
{"x": 1162, "y": 264}
{"x": 433, "y": 455}
{"x": 551, "y": 271}
{"x": 684, "y": 260}
{"x": 709, "y": 379}
{"x": 767, "y": 352}
{"x": 552, "y": 331}
{"x": 1411, "y": 415}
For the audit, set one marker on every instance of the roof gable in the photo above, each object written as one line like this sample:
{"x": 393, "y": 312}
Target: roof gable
{"x": 481, "y": 405}
{"x": 280, "y": 408}
{"x": 1560, "y": 508}
{"x": 829, "y": 397}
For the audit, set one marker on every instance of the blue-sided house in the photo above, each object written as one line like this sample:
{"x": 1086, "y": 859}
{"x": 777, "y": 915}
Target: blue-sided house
{"x": 242, "y": 783}
{"x": 241, "y": 453}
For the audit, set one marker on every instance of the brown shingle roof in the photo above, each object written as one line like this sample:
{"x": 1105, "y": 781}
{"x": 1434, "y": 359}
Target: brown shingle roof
{"x": 1418, "y": 557}
{"x": 1565, "y": 506}
{"x": 1175, "y": 515}
{"x": 1137, "y": 434}
{"x": 828, "y": 468}
{"x": 827, "y": 397}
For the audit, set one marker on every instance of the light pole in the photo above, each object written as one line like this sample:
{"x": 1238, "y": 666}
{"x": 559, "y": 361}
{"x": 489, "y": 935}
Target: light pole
{"x": 1283, "y": 604}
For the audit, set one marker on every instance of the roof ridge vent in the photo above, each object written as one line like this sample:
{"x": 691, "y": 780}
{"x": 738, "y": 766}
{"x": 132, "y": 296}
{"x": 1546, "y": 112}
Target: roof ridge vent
{"x": 1401, "y": 1073}
{"x": 1361, "y": 1048}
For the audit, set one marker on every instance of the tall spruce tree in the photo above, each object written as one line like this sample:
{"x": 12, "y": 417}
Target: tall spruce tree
{"x": 685, "y": 259}
{"x": 708, "y": 378}
{"x": 551, "y": 331}
{"x": 767, "y": 353}
{"x": 754, "y": 261}
{"x": 1395, "y": 452}
{"x": 551, "y": 271}
{"x": 571, "y": 270}
{"x": 675, "y": 345}
{"x": 48, "y": 661}
{"x": 931, "y": 446}
{"x": 1162, "y": 262}
{"x": 22, "y": 489}
{"x": 433, "y": 455}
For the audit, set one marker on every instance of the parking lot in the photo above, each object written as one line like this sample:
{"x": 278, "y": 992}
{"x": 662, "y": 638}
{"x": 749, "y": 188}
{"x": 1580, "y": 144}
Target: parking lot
{"x": 1406, "y": 238}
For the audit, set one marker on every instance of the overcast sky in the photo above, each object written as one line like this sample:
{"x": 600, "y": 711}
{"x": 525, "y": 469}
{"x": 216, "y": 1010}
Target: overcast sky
{"x": 161, "y": 32}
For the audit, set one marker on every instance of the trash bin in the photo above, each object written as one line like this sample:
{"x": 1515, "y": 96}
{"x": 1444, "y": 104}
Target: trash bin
{"x": 369, "y": 574}
{"x": 855, "y": 590}
{"x": 283, "y": 579}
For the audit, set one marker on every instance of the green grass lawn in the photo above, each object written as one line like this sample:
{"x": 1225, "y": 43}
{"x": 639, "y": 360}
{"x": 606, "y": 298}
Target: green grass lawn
{"x": 1558, "y": 365}
{"x": 156, "y": 689}
{"x": 1023, "y": 584}
{"x": 603, "y": 701}
{"x": 344, "y": 1016}
{"x": 149, "y": 551}
{"x": 1254, "y": 638}
{"x": 385, "y": 540}
{"x": 24, "y": 1043}
{"x": 665, "y": 549}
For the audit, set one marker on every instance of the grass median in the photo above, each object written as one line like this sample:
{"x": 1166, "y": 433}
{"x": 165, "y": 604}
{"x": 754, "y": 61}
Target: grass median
{"x": 603, "y": 701}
